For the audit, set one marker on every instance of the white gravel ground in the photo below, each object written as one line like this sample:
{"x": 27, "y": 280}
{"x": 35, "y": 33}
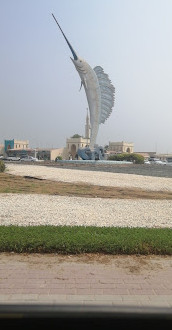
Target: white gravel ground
{"x": 92, "y": 177}
{"x": 25, "y": 210}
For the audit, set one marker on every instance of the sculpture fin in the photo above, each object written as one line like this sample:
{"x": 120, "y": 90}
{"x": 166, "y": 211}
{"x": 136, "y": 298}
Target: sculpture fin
{"x": 81, "y": 86}
{"x": 107, "y": 94}
{"x": 85, "y": 82}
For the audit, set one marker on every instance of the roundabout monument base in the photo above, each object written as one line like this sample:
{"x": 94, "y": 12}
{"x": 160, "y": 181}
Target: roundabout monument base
{"x": 88, "y": 154}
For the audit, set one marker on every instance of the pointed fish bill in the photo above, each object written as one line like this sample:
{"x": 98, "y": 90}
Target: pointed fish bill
{"x": 71, "y": 48}
{"x": 73, "y": 60}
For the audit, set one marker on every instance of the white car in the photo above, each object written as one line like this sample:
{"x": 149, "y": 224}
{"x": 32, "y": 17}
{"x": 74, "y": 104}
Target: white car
{"x": 29, "y": 159}
{"x": 161, "y": 162}
{"x": 12, "y": 158}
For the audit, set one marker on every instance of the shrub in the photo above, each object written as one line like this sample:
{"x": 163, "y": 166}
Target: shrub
{"x": 138, "y": 159}
{"x": 135, "y": 158}
{"x": 2, "y": 166}
{"x": 58, "y": 158}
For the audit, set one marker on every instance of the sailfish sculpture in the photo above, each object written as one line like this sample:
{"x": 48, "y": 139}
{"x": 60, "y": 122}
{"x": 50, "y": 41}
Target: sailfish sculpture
{"x": 98, "y": 88}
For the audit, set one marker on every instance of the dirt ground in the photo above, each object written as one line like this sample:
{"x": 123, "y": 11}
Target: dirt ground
{"x": 18, "y": 184}
{"x": 129, "y": 264}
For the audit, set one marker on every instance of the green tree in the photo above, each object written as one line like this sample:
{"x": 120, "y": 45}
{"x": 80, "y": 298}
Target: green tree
{"x": 2, "y": 166}
{"x": 135, "y": 158}
{"x": 58, "y": 158}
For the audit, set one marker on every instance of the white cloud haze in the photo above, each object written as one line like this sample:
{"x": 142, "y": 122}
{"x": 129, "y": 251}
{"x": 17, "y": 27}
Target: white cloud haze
{"x": 39, "y": 86}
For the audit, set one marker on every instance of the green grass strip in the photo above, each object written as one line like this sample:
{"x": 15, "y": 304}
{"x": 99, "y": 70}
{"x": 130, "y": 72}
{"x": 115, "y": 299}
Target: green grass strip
{"x": 79, "y": 239}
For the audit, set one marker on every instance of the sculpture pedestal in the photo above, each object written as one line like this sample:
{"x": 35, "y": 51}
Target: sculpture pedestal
{"x": 88, "y": 154}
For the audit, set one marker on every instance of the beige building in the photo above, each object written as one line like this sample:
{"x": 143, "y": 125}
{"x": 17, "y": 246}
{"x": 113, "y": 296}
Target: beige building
{"x": 120, "y": 147}
{"x": 165, "y": 157}
{"x": 21, "y": 144}
{"x": 1, "y": 149}
{"x": 77, "y": 141}
{"x": 50, "y": 154}
{"x": 21, "y": 148}
{"x": 73, "y": 144}
{"x": 14, "y": 147}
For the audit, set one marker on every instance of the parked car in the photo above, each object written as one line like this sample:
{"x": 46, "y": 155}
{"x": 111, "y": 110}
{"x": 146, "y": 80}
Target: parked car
{"x": 12, "y": 158}
{"x": 157, "y": 161}
{"x": 161, "y": 162}
{"x": 29, "y": 159}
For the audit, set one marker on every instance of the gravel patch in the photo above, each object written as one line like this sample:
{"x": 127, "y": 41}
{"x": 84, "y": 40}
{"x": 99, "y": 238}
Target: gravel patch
{"x": 94, "y": 178}
{"x": 26, "y": 210}
{"x": 35, "y": 209}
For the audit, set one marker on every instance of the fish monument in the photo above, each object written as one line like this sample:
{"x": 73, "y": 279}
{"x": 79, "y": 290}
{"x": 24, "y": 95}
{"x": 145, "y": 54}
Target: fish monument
{"x": 100, "y": 97}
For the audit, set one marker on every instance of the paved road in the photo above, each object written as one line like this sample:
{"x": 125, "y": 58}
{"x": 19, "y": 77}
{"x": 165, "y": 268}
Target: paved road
{"x": 155, "y": 170}
{"x": 86, "y": 279}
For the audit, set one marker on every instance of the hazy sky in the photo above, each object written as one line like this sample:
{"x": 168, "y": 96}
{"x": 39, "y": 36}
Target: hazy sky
{"x": 39, "y": 85}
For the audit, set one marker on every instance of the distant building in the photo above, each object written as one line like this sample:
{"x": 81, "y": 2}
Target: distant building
{"x": 165, "y": 157}
{"x": 77, "y": 141}
{"x": 1, "y": 149}
{"x": 49, "y": 154}
{"x": 120, "y": 147}
{"x": 16, "y": 145}
{"x": 20, "y": 148}
{"x": 17, "y": 148}
{"x": 73, "y": 144}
